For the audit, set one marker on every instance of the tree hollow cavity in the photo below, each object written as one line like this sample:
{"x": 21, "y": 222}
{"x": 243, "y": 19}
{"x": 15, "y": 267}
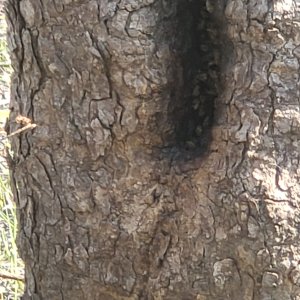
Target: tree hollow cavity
{"x": 192, "y": 110}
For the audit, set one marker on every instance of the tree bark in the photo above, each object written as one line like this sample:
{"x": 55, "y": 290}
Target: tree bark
{"x": 165, "y": 161}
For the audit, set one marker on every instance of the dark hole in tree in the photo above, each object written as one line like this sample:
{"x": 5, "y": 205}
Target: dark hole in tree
{"x": 193, "y": 102}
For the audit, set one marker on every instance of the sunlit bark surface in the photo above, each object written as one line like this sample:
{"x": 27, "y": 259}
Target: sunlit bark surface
{"x": 165, "y": 161}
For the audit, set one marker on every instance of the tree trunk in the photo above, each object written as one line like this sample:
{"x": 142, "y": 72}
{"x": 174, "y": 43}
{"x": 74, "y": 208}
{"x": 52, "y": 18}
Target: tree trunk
{"x": 165, "y": 161}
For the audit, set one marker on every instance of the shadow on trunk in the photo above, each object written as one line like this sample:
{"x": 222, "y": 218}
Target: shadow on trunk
{"x": 197, "y": 81}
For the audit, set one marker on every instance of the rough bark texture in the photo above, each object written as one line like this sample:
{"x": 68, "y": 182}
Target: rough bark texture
{"x": 165, "y": 164}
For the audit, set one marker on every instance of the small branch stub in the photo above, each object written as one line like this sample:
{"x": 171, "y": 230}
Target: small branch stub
{"x": 25, "y": 122}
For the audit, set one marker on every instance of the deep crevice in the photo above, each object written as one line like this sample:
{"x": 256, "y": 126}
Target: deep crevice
{"x": 199, "y": 45}
{"x": 196, "y": 88}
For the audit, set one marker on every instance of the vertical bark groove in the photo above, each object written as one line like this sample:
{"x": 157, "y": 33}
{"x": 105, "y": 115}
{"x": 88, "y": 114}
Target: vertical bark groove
{"x": 198, "y": 42}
